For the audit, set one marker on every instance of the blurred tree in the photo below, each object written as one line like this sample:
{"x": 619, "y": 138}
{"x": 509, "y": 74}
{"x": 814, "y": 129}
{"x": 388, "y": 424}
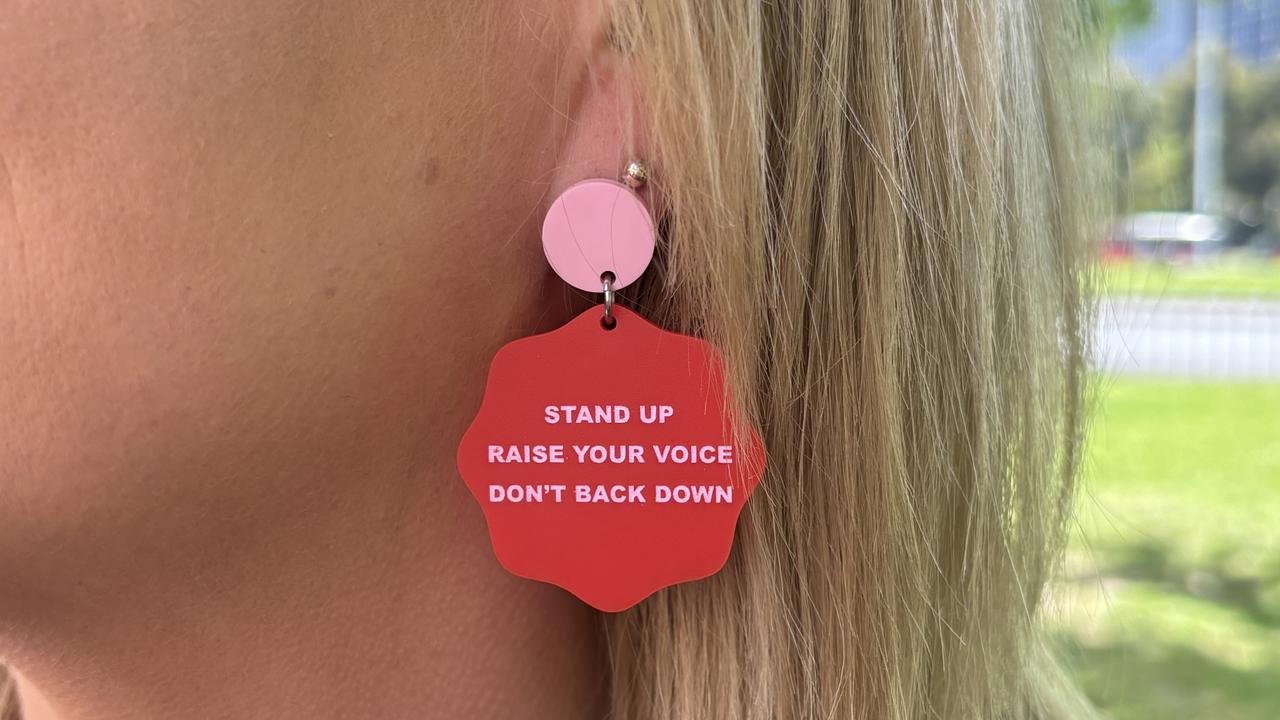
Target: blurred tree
{"x": 1152, "y": 129}
{"x": 1153, "y": 132}
{"x": 1109, "y": 17}
{"x": 1252, "y": 152}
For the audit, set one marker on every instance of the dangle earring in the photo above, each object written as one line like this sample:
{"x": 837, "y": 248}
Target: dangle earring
{"x": 604, "y": 455}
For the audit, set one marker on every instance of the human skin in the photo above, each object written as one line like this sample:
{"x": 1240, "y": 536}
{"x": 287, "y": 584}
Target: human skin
{"x": 254, "y": 260}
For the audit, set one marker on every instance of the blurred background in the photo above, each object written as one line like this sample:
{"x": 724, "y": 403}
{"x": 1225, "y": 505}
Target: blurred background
{"x": 1170, "y": 606}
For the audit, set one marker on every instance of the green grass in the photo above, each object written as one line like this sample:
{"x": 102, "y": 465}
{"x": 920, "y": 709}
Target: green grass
{"x": 1226, "y": 278}
{"x": 1172, "y": 606}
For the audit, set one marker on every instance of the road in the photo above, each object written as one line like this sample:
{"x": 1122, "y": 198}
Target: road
{"x": 1235, "y": 339}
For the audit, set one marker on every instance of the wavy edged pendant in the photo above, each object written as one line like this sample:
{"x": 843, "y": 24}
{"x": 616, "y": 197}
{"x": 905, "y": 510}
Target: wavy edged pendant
{"x": 606, "y": 460}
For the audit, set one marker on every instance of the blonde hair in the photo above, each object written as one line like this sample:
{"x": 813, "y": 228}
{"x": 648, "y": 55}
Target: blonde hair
{"x": 877, "y": 210}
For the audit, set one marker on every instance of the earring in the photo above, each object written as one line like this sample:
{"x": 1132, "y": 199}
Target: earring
{"x": 605, "y": 454}
{"x": 635, "y": 175}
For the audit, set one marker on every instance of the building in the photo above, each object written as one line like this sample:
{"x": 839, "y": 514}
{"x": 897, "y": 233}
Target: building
{"x": 1250, "y": 30}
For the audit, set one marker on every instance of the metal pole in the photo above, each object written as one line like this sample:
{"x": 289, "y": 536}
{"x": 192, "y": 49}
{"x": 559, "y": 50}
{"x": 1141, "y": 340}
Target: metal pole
{"x": 1206, "y": 190}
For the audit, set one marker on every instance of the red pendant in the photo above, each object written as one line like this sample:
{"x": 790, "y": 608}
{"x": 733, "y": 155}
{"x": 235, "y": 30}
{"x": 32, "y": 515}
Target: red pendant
{"x": 605, "y": 460}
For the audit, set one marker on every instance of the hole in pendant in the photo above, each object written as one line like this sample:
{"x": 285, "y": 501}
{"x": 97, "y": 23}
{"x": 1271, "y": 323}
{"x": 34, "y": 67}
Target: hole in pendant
{"x": 609, "y": 323}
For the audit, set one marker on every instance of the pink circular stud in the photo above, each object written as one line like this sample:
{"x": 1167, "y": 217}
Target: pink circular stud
{"x": 595, "y": 227}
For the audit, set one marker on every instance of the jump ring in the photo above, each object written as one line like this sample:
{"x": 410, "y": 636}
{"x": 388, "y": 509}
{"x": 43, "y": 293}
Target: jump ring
{"x": 607, "y": 281}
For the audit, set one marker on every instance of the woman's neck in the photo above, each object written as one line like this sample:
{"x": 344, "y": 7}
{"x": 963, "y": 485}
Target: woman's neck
{"x": 391, "y": 606}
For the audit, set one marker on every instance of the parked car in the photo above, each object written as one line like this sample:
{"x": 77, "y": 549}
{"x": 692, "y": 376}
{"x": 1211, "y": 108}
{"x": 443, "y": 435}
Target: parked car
{"x": 1169, "y": 236}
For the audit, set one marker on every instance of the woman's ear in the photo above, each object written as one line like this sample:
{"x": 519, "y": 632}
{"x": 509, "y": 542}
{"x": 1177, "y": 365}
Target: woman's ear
{"x": 604, "y": 124}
